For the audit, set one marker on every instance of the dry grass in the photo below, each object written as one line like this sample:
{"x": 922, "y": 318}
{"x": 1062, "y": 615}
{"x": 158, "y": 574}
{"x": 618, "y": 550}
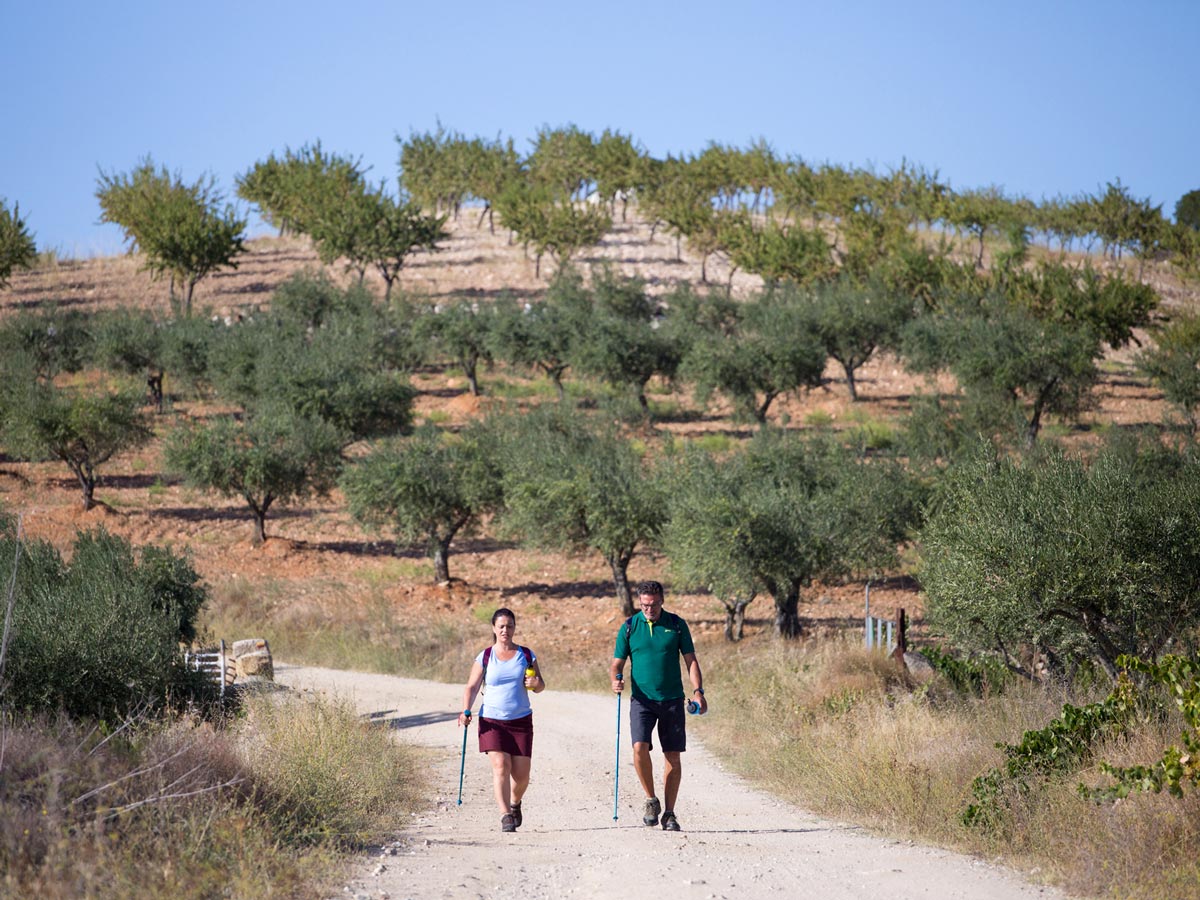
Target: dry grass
{"x": 183, "y": 810}
{"x": 842, "y": 731}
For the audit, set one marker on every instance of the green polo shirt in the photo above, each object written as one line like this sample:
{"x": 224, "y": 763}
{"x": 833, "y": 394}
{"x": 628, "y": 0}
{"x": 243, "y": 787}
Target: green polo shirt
{"x": 655, "y": 650}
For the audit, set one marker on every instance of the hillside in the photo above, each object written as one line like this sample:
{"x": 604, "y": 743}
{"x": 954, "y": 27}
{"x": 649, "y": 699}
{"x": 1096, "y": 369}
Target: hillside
{"x": 319, "y": 569}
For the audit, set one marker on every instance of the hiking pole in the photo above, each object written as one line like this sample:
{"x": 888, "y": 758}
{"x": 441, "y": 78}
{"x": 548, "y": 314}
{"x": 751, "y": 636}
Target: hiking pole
{"x": 617, "y": 765}
{"x": 462, "y": 766}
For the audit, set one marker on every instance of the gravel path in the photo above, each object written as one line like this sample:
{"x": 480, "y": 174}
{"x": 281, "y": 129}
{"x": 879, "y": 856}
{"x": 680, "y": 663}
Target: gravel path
{"x": 737, "y": 842}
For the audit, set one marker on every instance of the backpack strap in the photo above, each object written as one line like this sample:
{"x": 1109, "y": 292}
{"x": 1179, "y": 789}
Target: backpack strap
{"x": 487, "y": 657}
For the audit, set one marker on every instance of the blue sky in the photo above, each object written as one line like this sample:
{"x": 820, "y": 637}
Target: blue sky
{"x": 1040, "y": 98}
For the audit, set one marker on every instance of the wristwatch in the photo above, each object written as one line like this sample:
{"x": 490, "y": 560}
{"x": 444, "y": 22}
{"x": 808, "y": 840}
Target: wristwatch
{"x": 699, "y": 691}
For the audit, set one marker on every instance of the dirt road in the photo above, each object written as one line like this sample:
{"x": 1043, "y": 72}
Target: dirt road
{"x": 736, "y": 842}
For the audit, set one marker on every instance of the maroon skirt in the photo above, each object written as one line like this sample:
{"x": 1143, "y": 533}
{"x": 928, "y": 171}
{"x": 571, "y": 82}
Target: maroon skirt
{"x": 511, "y": 736}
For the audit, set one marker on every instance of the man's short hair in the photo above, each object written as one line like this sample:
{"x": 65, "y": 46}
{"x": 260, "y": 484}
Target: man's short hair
{"x": 653, "y": 588}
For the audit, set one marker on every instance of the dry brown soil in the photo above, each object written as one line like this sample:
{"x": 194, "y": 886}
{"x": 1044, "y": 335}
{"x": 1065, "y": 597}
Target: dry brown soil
{"x": 319, "y": 565}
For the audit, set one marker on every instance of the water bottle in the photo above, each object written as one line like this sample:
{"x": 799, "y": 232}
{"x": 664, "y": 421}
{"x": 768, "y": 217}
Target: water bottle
{"x": 693, "y": 708}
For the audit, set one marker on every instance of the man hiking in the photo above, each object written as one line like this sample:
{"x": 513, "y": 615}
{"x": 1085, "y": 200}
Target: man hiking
{"x": 654, "y": 640}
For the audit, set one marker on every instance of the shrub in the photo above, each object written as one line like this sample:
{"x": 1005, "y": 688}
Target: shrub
{"x": 99, "y": 635}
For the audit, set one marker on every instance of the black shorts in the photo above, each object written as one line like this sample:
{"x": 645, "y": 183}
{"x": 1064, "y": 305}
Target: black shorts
{"x": 669, "y": 716}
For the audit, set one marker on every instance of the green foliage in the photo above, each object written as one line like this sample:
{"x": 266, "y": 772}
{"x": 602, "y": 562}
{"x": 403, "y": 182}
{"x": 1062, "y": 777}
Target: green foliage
{"x": 1123, "y": 222}
{"x": 619, "y": 339}
{"x": 1059, "y": 748}
{"x": 44, "y": 343}
{"x": 1084, "y": 561}
{"x": 853, "y": 320}
{"x": 1187, "y": 210}
{"x": 371, "y": 229}
{"x": 97, "y": 636}
{"x": 136, "y": 343}
{"x": 542, "y": 334}
{"x": 1173, "y": 363}
{"x": 778, "y": 252}
{"x": 17, "y": 249}
{"x": 312, "y": 299}
{"x": 781, "y": 514}
{"x": 463, "y": 331}
{"x": 1079, "y": 296}
{"x": 183, "y": 230}
{"x": 277, "y": 454}
{"x": 564, "y": 160}
{"x": 293, "y": 192}
{"x": 571, "y": 483}
{"x": 979, "y": 213}
{"x": 428, "y": 489}
{"x": 755, "y": 351}
{"x": 978, "y": 676}
{"x": 80, "y": 429}
{"x": 338, "y": 372}
{"x": 1011, "y": 365}
{"x": 1178, "y": 766}
{"x": 543, "y": 218}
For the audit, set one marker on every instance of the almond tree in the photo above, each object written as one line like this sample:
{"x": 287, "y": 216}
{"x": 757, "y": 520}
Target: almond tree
{"x": 17, "y": 249}
{"x": 184, "y": 231}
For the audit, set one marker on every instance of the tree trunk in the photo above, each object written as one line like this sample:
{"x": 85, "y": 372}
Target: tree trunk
{"x": 850, "y": 383}
{"x": 259, "y": 511}
{"x": 787, "y": 602}
{"x": 471, "y": 368}
{"x": 441, "y": 561}
{"x": 735, "y": 618}
{"x": 1035, "y": 420}
{"x": 87, "y": 484}
{"x": 619, "y": 563}
{"x": 260, "y": 527}
{"x": 154, "y": 381}
{"x": 187, "y": 298}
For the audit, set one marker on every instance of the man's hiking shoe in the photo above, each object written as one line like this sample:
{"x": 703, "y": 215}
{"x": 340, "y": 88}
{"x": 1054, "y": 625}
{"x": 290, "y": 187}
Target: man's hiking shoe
{"x": 508, "y": 823}
{"x": 650, "y": 810}
{"x": 515, "y": 809}
{"x": 669, "y": 822}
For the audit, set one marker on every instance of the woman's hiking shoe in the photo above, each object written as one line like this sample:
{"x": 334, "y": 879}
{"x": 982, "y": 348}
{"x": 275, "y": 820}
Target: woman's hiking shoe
{"x": 508, "y": 823}
{"x": 669, "y": 822}
{"x": 650, "y": 811}
{"x": 515, "y": 809}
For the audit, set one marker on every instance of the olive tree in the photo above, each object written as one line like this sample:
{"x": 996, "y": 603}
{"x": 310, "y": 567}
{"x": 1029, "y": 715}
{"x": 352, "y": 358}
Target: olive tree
{"x": 621, "y": 338}
{"x": 771, "y": 348}
{"x": 573, "y": 484}
{"x": 335, "y": 372}
{"x": 1173, "y": 363}
{"x": 135, "y": 343}
{"x": 185, "y": 231}
{"x": 427, "y": 489}
{"x": 1008, "y": 362}
{"x": 853, "y": 320}
{"x": 274, "y": 455}
{"x": 1083, "y": 560}
{"x": 83, "y": 430}
{"x": 782, "y": 514}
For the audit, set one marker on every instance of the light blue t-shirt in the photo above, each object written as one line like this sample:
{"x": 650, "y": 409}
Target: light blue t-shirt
{"x": 506, "y": 696}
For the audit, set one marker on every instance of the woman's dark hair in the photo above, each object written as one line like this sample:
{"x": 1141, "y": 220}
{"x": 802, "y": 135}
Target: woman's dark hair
{"x": 504, "y": 611}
